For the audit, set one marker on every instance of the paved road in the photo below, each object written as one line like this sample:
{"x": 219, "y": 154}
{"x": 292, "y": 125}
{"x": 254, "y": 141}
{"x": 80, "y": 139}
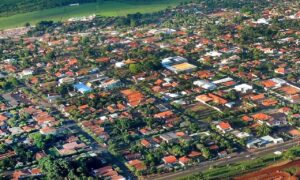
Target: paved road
{"x": 241, "y": 157}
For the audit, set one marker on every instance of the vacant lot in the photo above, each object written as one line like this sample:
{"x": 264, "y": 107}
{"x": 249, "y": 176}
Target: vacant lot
{"x": 201, "y": 110}
{"x": 106, "y": 8}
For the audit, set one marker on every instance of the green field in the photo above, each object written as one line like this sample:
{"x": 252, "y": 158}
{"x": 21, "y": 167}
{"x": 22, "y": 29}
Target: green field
{"x": 106, "y": 8}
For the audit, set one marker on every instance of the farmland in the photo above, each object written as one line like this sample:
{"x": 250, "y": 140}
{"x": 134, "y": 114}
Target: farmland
{"x": 106, "y": 8}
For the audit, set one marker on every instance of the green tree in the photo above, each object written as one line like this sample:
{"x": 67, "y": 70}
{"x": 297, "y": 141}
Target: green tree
{"x": 133, "y": 23}
{"x": 135, "y": 68}
{"x": 150, "y": 121}
{"x": 112, "y": 147}
{"x": 3, "y": 148}
{"x": 292, "y": 153}
{"x": 41, "y": 140}
{"x": 14, "y": 81}
{"x": 205, "y": 152}
{"x": 263, "y": 130}
{"x": 50, "y": 55}
{"x": 177, "y": 150}
{"x": 27, "y": 24}
{"x": 54, "y": 169}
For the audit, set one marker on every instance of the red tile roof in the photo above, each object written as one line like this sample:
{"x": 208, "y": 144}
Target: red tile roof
{"x": 134, "y": 97}
{"x": 280, "y": 70}
{"x": 294, "y": 132}
{"x": 194, "y": 154}
{"x": 257, "y": 97}
{"x": 246, "y": 118}
{"x": 217, "y": 99}
{"x": 145, "y": 143}
{"x": 164, "y": 114}
{"x": 180, "y": 134}
{"x": 269, "y": 102}
{"x": 224, "y": 125}
{"x": 261, "y": 116}
{"x": 184, "y": 160}
{"x": 205, "y": 98}
{"x": 169, "y": 159}
{"x": 138, "y": 164}
{"x": 3, "y": 118}
{"x": 269, "y": 83}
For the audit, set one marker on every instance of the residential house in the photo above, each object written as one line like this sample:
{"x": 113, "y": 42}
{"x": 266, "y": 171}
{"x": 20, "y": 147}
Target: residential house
{"x": 205, "y": 84}
{"x": 169, "y": 137}
{"x": 48, "y": 130}
{"x": 243, "y": 88}
{"x": 170, "y": 159}
{"x": 224, "y": 127}
{"x": 183, "y": 161}
{"x": 137, "y": 164}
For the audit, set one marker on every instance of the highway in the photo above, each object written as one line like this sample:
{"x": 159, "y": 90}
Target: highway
{"x": 235, "y": 159}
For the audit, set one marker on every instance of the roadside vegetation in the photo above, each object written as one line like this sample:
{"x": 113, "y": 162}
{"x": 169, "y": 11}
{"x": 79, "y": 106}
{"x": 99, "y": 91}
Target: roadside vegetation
{"x": 236, "y": 169}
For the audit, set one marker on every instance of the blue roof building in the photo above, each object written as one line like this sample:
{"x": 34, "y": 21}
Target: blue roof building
{"x": 82, "y": 88}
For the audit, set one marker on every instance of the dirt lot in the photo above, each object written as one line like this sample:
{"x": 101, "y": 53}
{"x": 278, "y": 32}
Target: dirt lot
{"x": 274, "y": 172}
{"x": 202, "y": 110}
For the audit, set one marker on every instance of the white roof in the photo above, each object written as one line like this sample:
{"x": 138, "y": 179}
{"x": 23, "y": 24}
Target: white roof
{"x": 243, "y": 87}
{"x": 205, "y": 84}
{"x": 175, "y": 59}
{"x": 240, "y": 134}
{"x": 199, "y": 82}
{"x": 119, "y": 64}
{"x": 172, "y": 95}
{"x": 222, "y": 80}
{"x": 270, "y": 138}
{"x": 214, "y": 54}
{"x": 279, "y": 80}
{"x": 262, "y": 21}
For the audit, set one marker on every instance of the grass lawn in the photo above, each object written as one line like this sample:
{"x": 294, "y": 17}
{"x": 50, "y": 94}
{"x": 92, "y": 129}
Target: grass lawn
{"x": 106, "y": 8}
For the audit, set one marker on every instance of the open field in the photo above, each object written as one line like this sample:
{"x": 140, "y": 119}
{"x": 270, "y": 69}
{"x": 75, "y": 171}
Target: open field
{"x": 106, "y": 8}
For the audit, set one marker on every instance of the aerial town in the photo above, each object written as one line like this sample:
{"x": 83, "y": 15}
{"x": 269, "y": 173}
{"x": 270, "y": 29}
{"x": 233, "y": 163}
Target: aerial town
{"x": 162, "y": 95}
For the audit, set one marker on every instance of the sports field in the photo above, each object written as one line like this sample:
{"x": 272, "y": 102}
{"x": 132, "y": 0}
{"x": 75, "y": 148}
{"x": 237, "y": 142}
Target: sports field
{"x": 106, "y": 8}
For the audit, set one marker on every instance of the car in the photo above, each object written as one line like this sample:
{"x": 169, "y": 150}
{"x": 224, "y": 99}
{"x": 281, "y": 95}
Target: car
{"x": 277, "y": 152}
